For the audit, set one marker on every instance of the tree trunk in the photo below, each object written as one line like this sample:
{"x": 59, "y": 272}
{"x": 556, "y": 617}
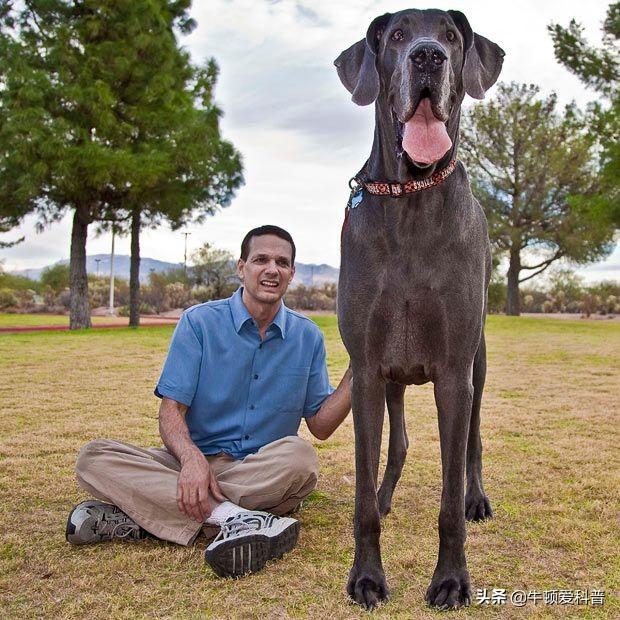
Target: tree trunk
{"x": 134, "y": 270}
{"x": 79, "y": 309}
{"x": 513, "y": 302}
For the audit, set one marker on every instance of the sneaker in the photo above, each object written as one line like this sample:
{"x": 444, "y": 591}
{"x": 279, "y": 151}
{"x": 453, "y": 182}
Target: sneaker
{"x": 248, "y": 540}
{"x": 93, "y": 522}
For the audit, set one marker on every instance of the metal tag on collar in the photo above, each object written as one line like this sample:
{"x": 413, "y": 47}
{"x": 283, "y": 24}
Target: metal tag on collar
{"x": 356, "y": 195}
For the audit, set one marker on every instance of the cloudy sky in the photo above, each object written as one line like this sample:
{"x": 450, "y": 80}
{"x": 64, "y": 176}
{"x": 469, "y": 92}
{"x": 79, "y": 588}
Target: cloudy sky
{"x": 300, "y": 135}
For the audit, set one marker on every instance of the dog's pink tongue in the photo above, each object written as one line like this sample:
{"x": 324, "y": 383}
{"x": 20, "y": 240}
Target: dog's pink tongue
{"x": 425, "y": 138}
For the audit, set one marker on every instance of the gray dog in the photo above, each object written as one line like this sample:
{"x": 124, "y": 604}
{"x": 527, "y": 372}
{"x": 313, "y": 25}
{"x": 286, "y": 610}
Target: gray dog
{"x": 415, "y": 268}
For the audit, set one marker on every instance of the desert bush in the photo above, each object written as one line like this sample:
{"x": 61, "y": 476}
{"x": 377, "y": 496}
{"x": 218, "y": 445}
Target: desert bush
{"x": 142, "y": 309}
{"x": 177, "y": 295}
{"x": 497, "y": 297}
{"x": 312, "y": 297}
{"x": 8, "y": 299}
{"x": 56, "y": 277}
{"x": 18, "y": 283}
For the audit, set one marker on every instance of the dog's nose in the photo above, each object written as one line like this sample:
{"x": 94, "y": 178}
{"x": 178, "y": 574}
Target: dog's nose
{"x": 428, "y": 57}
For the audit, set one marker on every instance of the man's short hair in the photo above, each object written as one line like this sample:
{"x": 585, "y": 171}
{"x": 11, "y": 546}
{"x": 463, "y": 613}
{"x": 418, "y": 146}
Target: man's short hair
{"x": 268, "y": 229}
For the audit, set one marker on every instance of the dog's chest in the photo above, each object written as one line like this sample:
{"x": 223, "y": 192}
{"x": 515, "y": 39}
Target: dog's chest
{"x": 411, "y": 286}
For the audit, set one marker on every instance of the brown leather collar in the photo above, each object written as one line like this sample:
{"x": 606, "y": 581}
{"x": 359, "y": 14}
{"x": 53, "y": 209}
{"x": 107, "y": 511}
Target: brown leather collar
{"x": 410, "y": 187}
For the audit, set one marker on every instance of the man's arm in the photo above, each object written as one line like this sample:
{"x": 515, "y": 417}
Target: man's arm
{"x": 334, "y": 409}
{"x": 197, "y": 486}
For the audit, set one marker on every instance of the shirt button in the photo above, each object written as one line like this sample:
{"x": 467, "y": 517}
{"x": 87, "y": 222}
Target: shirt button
{"x": 251, "y": 406}
{"x": 256, "y": 376}
{"x": 247, "y": 437}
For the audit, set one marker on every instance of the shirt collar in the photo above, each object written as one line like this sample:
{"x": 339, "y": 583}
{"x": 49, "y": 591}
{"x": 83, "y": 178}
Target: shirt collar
{"x": 241, "y": 315}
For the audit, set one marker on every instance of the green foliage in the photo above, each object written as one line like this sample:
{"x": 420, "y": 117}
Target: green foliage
{"x": 214, "y": 270}
{"x": 18, "y": 283}
{"x": 101, "y": 112}
{"x": 496, "y": 296}
{"x": 7, "y": 299}
{"x": 56, "y": 277}
{"x": 99, "y": 291}
{"x": 526, "y": 161}
{"x": 598, "y": 68}
{"x": 142, "y": 309}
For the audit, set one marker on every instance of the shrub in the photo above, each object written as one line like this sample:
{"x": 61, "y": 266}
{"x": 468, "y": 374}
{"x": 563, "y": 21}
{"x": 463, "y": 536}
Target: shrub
{"x": 142, "y": 309}
{"x": 56, "y": 277}
{"x": 497, "y": 297}
{"x": 8, "y": 299}
{"x": 177, "y": 295}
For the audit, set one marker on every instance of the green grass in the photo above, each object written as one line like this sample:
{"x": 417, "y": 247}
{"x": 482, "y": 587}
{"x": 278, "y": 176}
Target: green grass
{"x": 32, "y": 320}
{"x": 550, "y": 433}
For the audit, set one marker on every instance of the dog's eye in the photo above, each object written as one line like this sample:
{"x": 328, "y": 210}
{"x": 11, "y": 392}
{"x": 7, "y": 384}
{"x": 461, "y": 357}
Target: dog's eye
{"x": 450, "y": 35}
{"x": 397, "y": 35}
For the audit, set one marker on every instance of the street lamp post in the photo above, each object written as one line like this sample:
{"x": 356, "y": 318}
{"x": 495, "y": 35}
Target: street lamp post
{"x": 111, "y": 308}
{"x": 187, "y": 234}
{"x": 97, "y": 261}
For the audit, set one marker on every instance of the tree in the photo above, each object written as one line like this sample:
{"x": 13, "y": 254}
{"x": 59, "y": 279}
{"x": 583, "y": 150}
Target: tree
{"x": 525, "y": 161}
{"x": 598, "y": 69}
{"x": 196, "y": 171}
{"x": 92, "y": 105}
{"x": 215, "y": 268}
{"x": 56, "y": 277}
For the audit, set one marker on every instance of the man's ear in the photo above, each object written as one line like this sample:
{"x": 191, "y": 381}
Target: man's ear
{"x": 483, "y": 58}
{"x": 240, "y": 264}
{"x": 357, "y": 65}
{"x": 292, "y": 274}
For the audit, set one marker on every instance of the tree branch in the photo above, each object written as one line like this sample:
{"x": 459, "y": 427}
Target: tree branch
{"x": 544, "y": 263}
{"x": 535, "y": 274}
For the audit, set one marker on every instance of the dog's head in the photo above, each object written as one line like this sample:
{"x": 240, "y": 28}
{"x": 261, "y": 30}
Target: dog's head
{"x": 420, "y": 64}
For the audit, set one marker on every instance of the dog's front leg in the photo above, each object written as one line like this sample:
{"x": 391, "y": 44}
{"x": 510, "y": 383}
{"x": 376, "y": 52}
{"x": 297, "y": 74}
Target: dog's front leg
{"x": 450, "y": 586}
{"x": 367, "y": 584}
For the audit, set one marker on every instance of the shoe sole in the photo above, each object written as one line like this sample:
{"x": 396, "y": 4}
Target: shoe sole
{"x": 70, "y": 529}
{"x": 236, "y": 558}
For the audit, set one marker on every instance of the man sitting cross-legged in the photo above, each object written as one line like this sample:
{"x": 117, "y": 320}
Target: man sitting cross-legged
{"x": 239, "y": 376}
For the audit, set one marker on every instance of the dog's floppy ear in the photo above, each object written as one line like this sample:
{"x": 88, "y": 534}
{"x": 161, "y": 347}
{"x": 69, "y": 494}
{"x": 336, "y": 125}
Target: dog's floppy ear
{"x": 356, "y": 65}
{"x": 483, "y": 58}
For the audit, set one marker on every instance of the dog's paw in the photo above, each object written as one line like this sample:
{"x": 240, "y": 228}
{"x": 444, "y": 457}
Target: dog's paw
{"x": 449, "y": 591}
{"x": 367, "y": 588}
{"x": 477, "y": 507}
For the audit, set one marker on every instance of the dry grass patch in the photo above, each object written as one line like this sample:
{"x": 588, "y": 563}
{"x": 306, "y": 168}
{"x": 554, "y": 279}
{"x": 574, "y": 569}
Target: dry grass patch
{"x": 551, "y": 463}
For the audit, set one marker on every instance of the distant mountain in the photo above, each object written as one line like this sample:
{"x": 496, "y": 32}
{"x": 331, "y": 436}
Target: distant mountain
{"x": 316, "y": 275}
{"x": 306, "y": 274}
{"x": 100, "y": 263}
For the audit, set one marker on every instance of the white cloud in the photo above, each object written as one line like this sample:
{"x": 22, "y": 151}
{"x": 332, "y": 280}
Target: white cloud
{"x": 286, "y": 111}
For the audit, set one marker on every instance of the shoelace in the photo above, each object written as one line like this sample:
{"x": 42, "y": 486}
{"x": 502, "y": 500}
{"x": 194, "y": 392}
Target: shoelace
{"x": 119, "y": 526}
{"x": 234, "y": 525}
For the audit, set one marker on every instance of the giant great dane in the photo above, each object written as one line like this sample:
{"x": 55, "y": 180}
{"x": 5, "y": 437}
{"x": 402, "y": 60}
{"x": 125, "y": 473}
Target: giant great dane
{"x": 413, "y": 279}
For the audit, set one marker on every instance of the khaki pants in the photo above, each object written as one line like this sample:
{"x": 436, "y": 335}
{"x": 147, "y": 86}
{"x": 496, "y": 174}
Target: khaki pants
{"x": 143, "y": 483}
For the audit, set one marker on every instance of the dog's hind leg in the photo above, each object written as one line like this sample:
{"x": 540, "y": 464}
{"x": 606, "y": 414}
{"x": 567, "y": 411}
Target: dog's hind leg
{"x": 397, "y": 450}
{"x": 477, "y": 505}
{"x": 367, "y": 584}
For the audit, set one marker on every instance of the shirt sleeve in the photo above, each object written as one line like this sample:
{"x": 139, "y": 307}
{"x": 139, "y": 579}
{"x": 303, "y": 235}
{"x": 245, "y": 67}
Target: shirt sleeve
{"x": 318, "y": 381}
{"x": 179, "y": 377}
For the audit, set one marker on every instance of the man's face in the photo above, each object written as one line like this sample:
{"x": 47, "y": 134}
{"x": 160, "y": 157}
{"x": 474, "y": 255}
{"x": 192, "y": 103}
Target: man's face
{"x": 268, "y": 271}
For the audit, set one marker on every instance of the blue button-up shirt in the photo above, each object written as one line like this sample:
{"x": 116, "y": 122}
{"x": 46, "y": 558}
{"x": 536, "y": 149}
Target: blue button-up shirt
{"x": 243, "y": 393}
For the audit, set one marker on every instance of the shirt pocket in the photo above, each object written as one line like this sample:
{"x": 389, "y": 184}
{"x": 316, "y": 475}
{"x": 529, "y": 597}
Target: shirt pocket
{"x": 292, "y": 388}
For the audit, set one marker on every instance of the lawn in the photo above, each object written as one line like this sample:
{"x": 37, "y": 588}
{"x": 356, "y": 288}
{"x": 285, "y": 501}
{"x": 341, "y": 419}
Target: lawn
{"x": 550, "y": 432}
{"x": 33, "y": 320}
